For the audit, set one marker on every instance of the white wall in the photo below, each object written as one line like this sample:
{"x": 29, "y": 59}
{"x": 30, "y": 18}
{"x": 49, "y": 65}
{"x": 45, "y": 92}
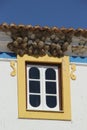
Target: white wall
{"x": 9, "y": 105}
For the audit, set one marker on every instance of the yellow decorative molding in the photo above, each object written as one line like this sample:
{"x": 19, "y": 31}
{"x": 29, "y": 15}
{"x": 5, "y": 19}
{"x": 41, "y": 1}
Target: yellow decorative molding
{"x": 73, "y": 69}
{"x": 65, "y": 113}
{"x": 12, "y": 64}
{"x": 65, "y": 65}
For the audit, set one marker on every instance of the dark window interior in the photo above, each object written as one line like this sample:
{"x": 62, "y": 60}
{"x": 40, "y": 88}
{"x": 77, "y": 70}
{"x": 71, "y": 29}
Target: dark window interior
{"x": 34, "y": 73}
{"x": 50, "y": 74}
{"x": 34, "y": 100}
{"x": 51, "y": 101}
{"x": 34, "y": 86}
{"x": 51, "y": 87}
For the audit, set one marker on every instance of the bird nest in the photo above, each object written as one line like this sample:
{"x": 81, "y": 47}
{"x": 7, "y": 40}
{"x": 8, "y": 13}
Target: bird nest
{"x": 39, "y": 41}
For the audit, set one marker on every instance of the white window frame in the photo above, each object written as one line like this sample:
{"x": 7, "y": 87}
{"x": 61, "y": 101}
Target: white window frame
{"x": 43, "y": 106}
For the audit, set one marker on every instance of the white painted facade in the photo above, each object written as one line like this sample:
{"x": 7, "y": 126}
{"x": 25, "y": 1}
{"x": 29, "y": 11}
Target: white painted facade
{"x": 9, "y": 103}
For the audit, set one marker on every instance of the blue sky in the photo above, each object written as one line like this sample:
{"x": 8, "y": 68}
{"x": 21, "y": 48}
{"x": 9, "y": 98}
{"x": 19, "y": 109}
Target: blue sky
{"x": 60, "y": 13}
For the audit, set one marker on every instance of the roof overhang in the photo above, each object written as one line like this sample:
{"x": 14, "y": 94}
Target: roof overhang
{"x": 21, "y": 39}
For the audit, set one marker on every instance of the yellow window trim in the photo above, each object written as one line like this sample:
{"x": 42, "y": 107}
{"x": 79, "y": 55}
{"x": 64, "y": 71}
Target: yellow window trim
{"x": 22, "y": 112}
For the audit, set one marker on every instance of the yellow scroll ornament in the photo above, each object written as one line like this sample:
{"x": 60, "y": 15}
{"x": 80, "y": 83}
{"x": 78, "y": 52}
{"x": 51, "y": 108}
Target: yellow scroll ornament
{"x": 12, "y": 64}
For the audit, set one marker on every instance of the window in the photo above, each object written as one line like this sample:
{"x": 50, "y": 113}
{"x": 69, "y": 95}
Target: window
{"x": 43, "y": 88}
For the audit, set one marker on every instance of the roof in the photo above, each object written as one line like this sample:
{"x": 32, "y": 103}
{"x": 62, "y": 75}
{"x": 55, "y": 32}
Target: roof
{"x": 39, "y": 41}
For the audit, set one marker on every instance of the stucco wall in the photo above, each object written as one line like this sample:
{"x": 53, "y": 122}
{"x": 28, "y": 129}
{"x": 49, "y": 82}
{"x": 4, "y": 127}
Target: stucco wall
{"x": 9, "y": 104}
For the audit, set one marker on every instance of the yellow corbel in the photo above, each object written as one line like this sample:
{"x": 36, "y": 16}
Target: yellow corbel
{"x": 73, "y": 69}
{"x": 12, "y": 64}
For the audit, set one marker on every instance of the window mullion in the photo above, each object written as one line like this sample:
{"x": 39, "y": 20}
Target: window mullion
{"x": 41, "y": 85}
{"x": 43, "y": 88}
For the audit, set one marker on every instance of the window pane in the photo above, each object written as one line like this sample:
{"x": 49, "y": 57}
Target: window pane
{"x": 51, "y": 87}
{"x": 34, "y": 86}
{"x": 50, "y": 74}
{"x": 51, "y": 101}
{"x": 34, "y": 100}
{"x": 34, "y": 73}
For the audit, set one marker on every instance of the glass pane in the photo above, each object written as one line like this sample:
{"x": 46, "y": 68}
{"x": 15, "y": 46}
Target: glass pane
{"x": 34, "y": 100}
{"x": 34, "y": 86}
{"x": 51, "y": 101}
{"x": 50, "y": 74}
{"x": 34, "y": 73}
{"x": 51, "y": 87}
